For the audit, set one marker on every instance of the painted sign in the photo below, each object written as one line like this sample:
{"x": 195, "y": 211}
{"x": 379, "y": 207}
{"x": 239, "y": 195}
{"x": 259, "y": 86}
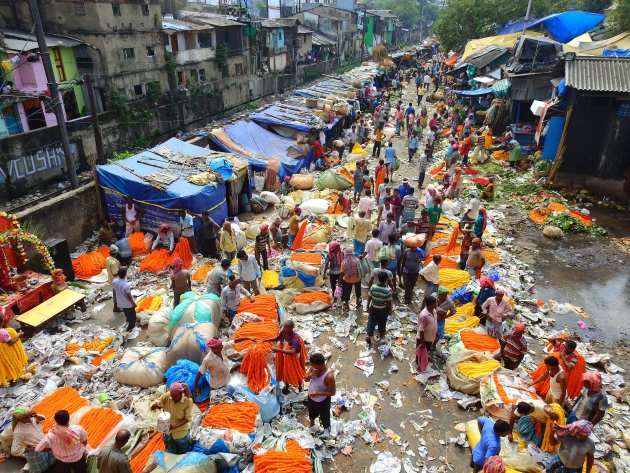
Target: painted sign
{"x": 43, "y": 160}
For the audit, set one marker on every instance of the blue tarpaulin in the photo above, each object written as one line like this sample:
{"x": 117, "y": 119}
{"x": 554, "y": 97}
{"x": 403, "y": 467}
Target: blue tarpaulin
{"x": 616, "y": 53}
{"x": 472, "y": 93}
{"x": 253, "y": 138}
{"x": 160, "y": 206}
{"x": 290, "y": 119}
{"x": 562, "y": 26}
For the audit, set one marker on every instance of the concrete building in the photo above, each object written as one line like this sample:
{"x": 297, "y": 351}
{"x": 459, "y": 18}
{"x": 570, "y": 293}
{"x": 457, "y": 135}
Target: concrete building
{"x": 127, "y": 53}
{"x": 280, "y": 43}
{"x": 384, "y": 28}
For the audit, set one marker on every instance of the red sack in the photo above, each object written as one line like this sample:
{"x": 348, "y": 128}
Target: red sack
{"x": 422, "y": 356}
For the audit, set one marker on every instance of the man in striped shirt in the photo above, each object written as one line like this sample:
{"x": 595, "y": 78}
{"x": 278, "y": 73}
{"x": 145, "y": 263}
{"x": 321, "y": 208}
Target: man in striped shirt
{"x": 67, "y": 443}
{"x": 513, "y": 347}
{"x": 380, "y": 307}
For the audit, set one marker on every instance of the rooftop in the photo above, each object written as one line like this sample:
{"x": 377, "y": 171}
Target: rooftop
{"x": 279, "y": 22}
{"x": 22, "y": 41}
{"x": 598, "y": 74}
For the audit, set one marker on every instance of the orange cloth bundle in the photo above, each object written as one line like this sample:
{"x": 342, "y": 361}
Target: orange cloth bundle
{"x": 157, "y": 260}
{"x": 258, "y": 330}
{"x": 201, "y": 273}
{"x": 105, "y": 356}
{"x": 239, "y": 416}
{"x": 291, "y": 368}
{"x": 255, "y": 367}
{"x": 574, "y": 376}
{"x": 140, "y": 459}
{"x": 98, "y": 423}
{"x": 310, "y": 297}
{"x": 312, "y": 258}
{"x": 478, "y": 341}
{"x": 90, "y": 264}
{"x": 282, "y": 462}
{"x": 182, "y": 250}
{"x": 137, "y": 244}
{"x": 264, "y": 306}
{"x": 65, "y": 398}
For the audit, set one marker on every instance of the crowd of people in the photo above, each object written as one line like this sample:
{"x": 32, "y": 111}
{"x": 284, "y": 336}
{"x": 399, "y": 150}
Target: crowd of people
{"x": 391, "y": 223}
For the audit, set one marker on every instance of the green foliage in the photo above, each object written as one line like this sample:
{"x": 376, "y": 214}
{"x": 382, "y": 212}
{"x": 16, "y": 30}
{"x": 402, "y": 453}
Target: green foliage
{"x": 154, "y": 92}
{"x": 620, "y": 17}
{"x": 170, "y": 61}
{"x": 126, "y": 115}
{"x": 406, "y": 10}
{"x": 463, "y": 20}
{"x": 222, "y": 55}
{"x": 252, "y": 105}
{"x": 570, "y": 224}
{"x": 543, "y": 166}
{"x": 118, "y": 155}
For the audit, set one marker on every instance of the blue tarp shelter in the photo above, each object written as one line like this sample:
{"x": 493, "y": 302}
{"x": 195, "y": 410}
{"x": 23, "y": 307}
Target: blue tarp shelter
{"x": 324, "y": 88}
{"x": 289, "y": 119}
{"x": 474, "y": 93}
{"x": 562, "y": 26}
{"x": 160, "y": 206}
{"x": 247, "y": 136}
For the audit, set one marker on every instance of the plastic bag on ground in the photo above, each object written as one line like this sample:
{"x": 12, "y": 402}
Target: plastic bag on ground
{"x": 268, "y": 403}
{"x": 192, "y": 462}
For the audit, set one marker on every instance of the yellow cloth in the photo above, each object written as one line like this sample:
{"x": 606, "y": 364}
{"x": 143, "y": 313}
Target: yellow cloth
{"x": 546, "y": 445}
{"x": 179, "y": 411}
{"x": 473, "y": 370}
{"x": 357, "y": 149}
{"x": 362, "y": 228}
{"x": 228, "y": 241}
{"x": 12, "y": 360}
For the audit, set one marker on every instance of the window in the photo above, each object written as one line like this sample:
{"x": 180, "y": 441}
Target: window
{"x": 181, "y": 77}
{"x": 128, "y": 53}
{"x": 79, "y": 8}
{"x": 226, "y": 37}
{"x": 193, "y": 76}
{"x": 145, "y": 9}
{"x": 238, "y": 68}
{"x": 202, "y": 75}
{"x": 150, "y": 51}
{"x": 116, "y": 9}
{"x": 137, "y": 89}
{"x": 61, "y": 73}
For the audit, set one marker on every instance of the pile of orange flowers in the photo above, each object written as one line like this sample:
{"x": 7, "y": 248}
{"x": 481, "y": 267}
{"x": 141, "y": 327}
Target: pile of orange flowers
{"x": 255, "y": 367}
{"x": 291, "y": 368}
{"x": 65, "y": 398}
{"x": 478, "y": 341}
{"x": 239, "y": 416}
{"x": 264, "y": 306}
{"x": 538, "y": 216}
{"x": 99, "y": 423}
{"x": 105, "y": 356}
{"x": 140, "y": 459}
{"x": 149, "y": 303}
{"x": 93, "y": 345}
{"x": 137, "y": 244}
{"x": 310, "y": 297}
{"x": 90, "y": 264}
{"x": 159, "y": 260}
{"x": 282, "y": 462}
{"x": 258, "y": 330}
{"x": 311, "y": 258}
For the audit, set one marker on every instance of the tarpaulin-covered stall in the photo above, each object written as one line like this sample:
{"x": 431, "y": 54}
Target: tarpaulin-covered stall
{"x": 504, "y": 41}
{"x": 562, "y": 26}
{"x": 289, "y": 120}
{"x": 136, "y": 177}
{"x": 259, "y": 145}
{"x": 474, "y": 93}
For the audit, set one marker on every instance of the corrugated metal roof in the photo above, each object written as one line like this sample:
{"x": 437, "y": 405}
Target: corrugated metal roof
{"x": 279, "y": 22}
{"x": 321, "y": 40}
{"x": 601, "y": 74}
{"x": 24, "y": 41}
{"x": 486, "y": 55}
{"x": 171, "y": 24}
{"x": 303, "y": 30}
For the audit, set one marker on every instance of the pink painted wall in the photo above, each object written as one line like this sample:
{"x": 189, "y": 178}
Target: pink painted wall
{"x": 30, "y": 77}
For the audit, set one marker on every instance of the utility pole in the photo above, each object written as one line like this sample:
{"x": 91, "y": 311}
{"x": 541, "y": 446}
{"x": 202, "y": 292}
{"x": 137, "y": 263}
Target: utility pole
{"x": 529, "y": 10}
{"x": 364, "y": 22}
{"x": 422, "y": 19}
{"x": 54, "y": 91}
{"x": 98, "y": 138}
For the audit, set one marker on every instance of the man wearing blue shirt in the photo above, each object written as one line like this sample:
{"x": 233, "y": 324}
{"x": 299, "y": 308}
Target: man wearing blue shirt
{"x": 409, "y": 110}
{"x": 187, "y": 229}
{"x": 490, "y": 442}
{"x": 412, "y": 145}
{"x": 403, "y": 189}
{"x": 390, "y": 160}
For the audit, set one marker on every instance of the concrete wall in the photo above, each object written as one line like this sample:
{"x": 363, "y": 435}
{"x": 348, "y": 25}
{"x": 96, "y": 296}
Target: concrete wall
{"x": 72, "y": 215}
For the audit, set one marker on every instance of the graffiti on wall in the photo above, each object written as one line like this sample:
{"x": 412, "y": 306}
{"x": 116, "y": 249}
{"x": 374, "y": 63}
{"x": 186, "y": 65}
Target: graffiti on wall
{"x": 42, "y": 160}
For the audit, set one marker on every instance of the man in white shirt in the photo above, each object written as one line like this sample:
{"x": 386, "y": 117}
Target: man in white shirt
{"x": 372, "y": 246}
{"x": 249, "y": 271}
{"x": 231, "y": 297}
{"x": 187, "y": 229}
{"x": 216, "y": 363}
{"x": 366, "y": 203}
{"x": 431, "y": 277}
{"x": 124, "y": 299}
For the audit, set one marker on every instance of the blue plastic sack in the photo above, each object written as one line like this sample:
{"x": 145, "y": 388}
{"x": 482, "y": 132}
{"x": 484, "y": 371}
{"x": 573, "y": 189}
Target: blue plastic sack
{"x": 494, "y": 275}
{"x": 186, "y": 371}
{"x": 218, "y": 447}
{"x": 460, "y": 294}
{"x": 182, "y": 461}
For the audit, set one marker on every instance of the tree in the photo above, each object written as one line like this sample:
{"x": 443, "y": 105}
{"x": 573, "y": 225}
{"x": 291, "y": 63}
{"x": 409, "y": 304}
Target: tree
{"x": 463, "y": 20}
{"x": 620, "y": 17}
{"x": 406, "y": 10}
